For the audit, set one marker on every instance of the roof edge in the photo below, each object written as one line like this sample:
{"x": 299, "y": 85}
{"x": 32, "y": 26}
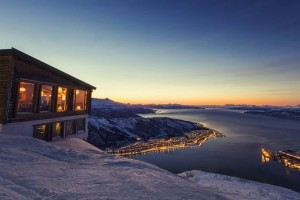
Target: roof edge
{"x": 18, "y": 53}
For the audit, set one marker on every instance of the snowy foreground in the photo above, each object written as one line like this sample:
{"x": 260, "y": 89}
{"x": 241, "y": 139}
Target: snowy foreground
{"x": 237, "y": 188}
{"x": 73, "y": 169}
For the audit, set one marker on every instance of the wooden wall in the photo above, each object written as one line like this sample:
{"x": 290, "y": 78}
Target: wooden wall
{"x": 27, "y": 70}
{"x": 4, "y": 83}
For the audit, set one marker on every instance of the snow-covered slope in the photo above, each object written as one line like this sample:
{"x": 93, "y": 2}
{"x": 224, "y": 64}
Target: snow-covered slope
{"x": 116, "y": 132}
{"x": 73, "y": 169}
{"x": 237, "y": 188}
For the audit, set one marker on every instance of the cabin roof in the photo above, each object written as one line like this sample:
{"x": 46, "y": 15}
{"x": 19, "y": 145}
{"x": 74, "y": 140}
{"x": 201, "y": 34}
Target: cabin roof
{"x": 26, "y": 57}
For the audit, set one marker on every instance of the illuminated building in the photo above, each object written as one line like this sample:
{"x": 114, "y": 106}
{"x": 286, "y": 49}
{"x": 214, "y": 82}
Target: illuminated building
{"x": 39, "y": 100}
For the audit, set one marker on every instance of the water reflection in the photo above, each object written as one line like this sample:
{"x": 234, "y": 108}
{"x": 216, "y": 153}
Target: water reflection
{"x": 239, "y": 153}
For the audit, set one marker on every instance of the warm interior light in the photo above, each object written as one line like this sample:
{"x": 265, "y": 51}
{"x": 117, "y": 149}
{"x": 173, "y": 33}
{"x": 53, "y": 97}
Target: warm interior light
{"x": 63, "y": 97}
{"x": 78, "y": 107}
{"x": 59, "y": 90}
{"x": 59, "y": 108}
{"x": 77, "y": 92}
{"x": 22, "y": 89}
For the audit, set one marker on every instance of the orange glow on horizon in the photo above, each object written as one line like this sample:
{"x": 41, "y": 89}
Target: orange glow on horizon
{"x": 207, "y": 101}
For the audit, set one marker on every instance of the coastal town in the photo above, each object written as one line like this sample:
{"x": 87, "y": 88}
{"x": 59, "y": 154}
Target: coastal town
{"x": 189, "y": 140}
{"x": 289, "y": 158}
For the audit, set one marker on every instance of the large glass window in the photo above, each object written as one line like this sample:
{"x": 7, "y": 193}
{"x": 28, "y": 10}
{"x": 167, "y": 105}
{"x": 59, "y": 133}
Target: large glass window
{"x": 80, "y": 100}
{"x": 45, "y": 98}
{"x": 26, "y": 92}
{"x": 61, "y": 99}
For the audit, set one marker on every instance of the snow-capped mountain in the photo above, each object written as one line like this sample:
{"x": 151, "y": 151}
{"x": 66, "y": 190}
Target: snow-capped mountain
{"x": 107, "y": 104}
{"x": 113, "y": 124}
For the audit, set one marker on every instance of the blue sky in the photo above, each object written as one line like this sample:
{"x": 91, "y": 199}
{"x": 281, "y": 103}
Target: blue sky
{"x": 167, "y": 51}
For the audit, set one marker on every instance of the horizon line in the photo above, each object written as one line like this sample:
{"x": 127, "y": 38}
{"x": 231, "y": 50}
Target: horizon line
{"x": 201, "y": 105}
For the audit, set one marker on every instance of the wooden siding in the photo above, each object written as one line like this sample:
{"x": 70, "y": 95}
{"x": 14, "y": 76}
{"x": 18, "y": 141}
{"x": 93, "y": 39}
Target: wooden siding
{"x": 27, "y": 70}
{"x": 45, "y": 115}
{"x": 12, "y": 101}
{"x": 4, "y": 83}
{"x": 89, "y": 101}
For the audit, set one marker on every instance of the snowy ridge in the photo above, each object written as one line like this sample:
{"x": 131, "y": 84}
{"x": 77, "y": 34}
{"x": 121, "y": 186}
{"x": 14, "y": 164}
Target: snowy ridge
{"x": 123, "y": 125}
{"x": 74, "y": 169}
{"x": 107, "y": 104}
{"x": 114, "y": 132}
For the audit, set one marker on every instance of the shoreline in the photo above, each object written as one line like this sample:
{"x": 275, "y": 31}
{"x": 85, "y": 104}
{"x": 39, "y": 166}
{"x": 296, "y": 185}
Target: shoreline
{"x": 189, "y": 140}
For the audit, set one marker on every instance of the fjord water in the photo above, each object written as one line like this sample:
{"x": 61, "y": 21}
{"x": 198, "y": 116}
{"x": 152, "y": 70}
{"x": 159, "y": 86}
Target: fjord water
{"x": 239, "y": 152}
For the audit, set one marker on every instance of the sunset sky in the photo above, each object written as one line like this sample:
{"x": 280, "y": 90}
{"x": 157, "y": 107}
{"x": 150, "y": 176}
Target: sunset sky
{"x": 165, "y": 51}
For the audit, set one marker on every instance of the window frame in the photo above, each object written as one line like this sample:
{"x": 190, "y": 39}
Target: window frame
{"x": 46, "y": 136}
{"x": 66, "y": 100}
{"x": 33, "y": 100}
{"x": 51, "y": 98}
{"x": 69, "y": 102}
{"x": 61, "y": 132}
{"x": 73, "y": 127}
{"x": 78, "y": 130}
{"x": 84, "y": 100}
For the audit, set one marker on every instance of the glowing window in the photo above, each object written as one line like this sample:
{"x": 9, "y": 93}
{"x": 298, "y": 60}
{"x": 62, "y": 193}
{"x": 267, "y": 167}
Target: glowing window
{"x": 61, "y": 99}
{"x": 45, "y": 98}
{"x": 80, "y": 100}
{"x": 57, "y": 129}
{"x": 39, "y": 132}
{"x": 25, "y": 101}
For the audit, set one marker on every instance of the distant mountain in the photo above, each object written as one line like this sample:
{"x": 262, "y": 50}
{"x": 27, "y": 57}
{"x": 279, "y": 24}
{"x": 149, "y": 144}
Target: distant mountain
{"x": 107, "y": 104}
{"x": 110, "y": 104}
{"x": 293, "y": 114}
{"x": 107, "y": 108}
{"x": 106, "y": 132}
{"x": 284, "y": 112}
{"x": 113, "y": 124}
{"x": 172, "y": 106}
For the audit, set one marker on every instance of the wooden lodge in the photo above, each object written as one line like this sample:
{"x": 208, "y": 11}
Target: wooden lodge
{"x": 39, "y": 100}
